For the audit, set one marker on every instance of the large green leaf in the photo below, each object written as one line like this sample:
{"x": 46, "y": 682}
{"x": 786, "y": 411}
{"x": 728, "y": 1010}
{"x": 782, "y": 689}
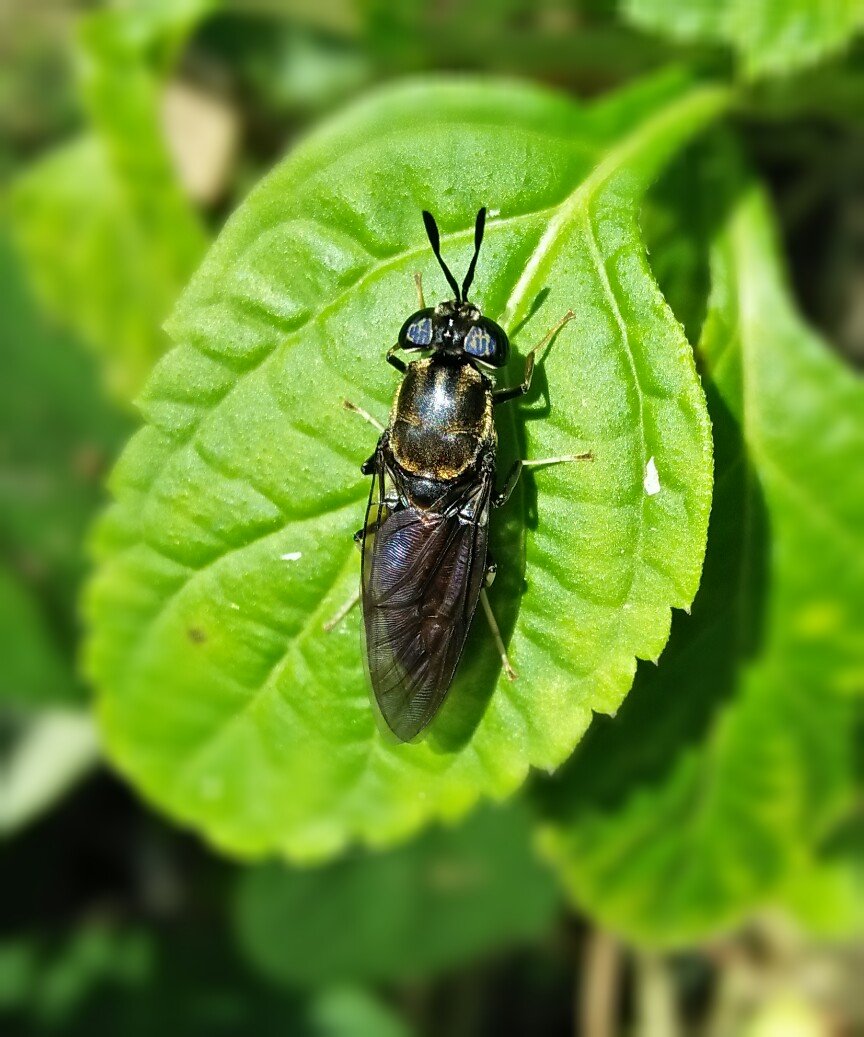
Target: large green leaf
{"x": 109, "y": 236}
{"x": 770, "y": 36}
{"x": 444, "y": 899}
{"x": 730, "y": 762}
{"x": 230, "y": 543}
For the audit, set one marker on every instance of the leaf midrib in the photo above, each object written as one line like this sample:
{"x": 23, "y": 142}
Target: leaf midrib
{"x": 578, "y": 201}
{"x": 578, "y": 207}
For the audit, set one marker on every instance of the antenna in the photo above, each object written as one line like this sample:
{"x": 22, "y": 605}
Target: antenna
{"x": 479, "y": 227}
{"x": 435, "y": 242}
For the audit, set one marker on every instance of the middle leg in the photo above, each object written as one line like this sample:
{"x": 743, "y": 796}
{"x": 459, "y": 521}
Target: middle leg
{"x": 503, "y": 495}
{"x": 503, "y": 395}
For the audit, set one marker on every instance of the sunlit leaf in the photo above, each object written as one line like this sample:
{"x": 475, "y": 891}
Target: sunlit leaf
{"x": 230, "y": 545}
{"x": 444, "y": 899}
{"x": 728, "y": 764}
{"x": 770, "y": 36}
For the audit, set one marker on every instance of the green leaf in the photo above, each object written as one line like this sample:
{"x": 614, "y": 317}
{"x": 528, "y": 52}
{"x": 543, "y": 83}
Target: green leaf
{"x": 230, "y": 545}
{"x": 103, "y": 976}
{"x": 770, "y": 37}
{"x": 826, "y": 897}
{"x": 728, "y": 764}
{"x": 56, "y": 434}
{"x": 443, "y": 900}
{"x": 109, "y": 237}
{"x": 353, "y": 1012}
{"x": 33, "y": 668}
{"x": 49, "y": 984}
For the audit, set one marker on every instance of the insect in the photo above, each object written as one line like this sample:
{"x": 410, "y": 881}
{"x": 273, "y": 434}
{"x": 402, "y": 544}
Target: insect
{"x": 425, "y": 564}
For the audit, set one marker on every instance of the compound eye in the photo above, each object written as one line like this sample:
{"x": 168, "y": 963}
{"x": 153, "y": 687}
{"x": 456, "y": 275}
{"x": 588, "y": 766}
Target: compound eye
{"x": 486, "y": 342}
{"x": 416, "y": 332}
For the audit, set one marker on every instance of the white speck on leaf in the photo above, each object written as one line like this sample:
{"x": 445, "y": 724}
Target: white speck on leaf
{"x": 291, "y": 556}
{"x": 493, "y": 213}
{"x": 651, "y": 482}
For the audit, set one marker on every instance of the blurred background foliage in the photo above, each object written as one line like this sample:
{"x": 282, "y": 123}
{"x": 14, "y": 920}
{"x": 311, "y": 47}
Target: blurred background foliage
{"x": 128, "y": 132}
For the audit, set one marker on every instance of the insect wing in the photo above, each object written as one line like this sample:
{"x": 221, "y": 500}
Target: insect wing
{"x": 422, "y": 576}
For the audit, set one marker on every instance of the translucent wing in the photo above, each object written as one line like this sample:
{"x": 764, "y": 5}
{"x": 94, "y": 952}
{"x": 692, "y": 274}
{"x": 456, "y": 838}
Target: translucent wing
{"x": 422, "y": 576}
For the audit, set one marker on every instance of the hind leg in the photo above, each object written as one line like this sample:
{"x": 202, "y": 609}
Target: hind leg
{"x": 491, "y": 569}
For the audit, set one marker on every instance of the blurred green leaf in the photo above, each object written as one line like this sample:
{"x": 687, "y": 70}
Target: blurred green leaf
{"x": 103, "y": 977}
{"x": 222, "y": 698}
{"x": 727, "y": 764}
{"x": 827, "y": 897}
{"x": 449, "y": 897}
{"x": 352, "y": 1012}
{"x": 286, "y": 68}
{"x": 578, "y": 43}
{"x": 49, "y": 983}
{"x": 771, "y": 37}
{"x": 108, "y": 234}
{"x": 56, "y": 434}
{"x": 33, "y": 670}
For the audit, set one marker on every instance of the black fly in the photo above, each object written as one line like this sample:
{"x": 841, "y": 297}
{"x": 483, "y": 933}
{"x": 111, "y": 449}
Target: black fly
{"x": 425, "y": 562}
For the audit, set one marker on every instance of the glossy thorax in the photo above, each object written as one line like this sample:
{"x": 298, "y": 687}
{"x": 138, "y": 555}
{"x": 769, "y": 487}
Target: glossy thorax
{"x": 441, "y": 428}
{"x": 441, "y": 422}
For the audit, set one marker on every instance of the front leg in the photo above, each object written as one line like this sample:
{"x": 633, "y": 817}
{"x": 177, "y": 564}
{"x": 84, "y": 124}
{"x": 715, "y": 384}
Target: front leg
{"x": 503, "y": 395}
{"x": 396, "y": 361}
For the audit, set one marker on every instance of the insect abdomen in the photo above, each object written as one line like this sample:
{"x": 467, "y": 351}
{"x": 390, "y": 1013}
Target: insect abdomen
{"x": 441, "y": 419}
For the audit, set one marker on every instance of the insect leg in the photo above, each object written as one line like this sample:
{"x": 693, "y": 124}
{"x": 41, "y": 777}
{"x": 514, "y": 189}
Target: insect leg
{"x": 418, "y": 280}
{"x": 336, "y": 619}
{"x": 360, "y": 535}
{"x": 394, "y": 360}
{"x": 503, "y": 395}
{"x": 542, "y": 462}
{"x": 503, "y": 495}
{"x": 348, "y": 405}
{"x": 496, "y": 633}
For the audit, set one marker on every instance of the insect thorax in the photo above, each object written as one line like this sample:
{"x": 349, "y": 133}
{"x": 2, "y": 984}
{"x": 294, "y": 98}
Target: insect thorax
{"x": 441, "y": 418}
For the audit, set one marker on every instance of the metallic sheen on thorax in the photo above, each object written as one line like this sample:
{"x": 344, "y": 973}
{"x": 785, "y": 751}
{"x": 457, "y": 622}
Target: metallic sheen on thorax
{"x": 441, "y": 419}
